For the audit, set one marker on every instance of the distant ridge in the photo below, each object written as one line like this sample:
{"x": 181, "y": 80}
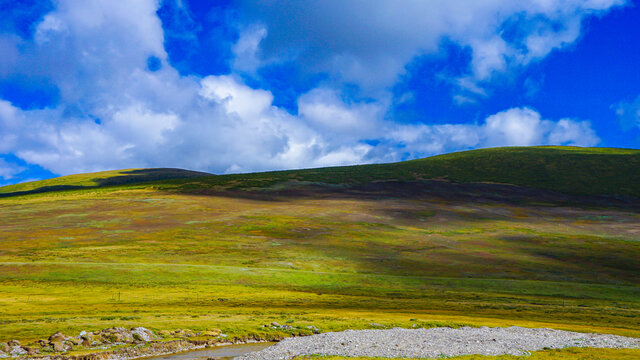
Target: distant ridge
{"x": 570, "y": 170}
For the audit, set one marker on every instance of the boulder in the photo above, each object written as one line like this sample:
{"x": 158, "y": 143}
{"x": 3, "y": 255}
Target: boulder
{"x": 13, "y": 343}
{"x": 58, "y": 346}
{"x": 142, "y": 334}
{"x": 58, "y": 337}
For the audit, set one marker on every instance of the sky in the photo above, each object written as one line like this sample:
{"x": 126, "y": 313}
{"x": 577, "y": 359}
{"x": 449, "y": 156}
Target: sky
{"x": 240, "y": 86}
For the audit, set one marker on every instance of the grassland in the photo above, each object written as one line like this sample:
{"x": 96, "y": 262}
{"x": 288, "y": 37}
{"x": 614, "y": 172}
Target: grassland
{"x": 337, "y": 248}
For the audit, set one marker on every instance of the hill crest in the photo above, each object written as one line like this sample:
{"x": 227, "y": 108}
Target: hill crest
{"x": 570, "y": 170}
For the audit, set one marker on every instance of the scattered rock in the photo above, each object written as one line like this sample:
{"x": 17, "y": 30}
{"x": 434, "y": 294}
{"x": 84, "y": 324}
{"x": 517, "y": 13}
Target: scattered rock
{"x": 17, "y": 350}
{"x": 13, "y": 343}
{"x": 275, "y": 324}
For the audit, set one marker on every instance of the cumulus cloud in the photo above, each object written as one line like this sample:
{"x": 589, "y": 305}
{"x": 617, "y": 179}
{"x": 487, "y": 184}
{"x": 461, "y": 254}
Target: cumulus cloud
{"x": 325, "y": 111}
{"x": 369, "y": 43}
{"x": 512, "y": 127}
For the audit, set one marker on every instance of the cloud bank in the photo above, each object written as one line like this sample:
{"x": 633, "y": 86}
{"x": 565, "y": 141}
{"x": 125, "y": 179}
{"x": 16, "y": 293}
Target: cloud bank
{"x": 123, "y": 105}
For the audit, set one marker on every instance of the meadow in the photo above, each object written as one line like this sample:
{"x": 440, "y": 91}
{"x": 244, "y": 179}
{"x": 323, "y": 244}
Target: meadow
{"x": 413, "y": 244}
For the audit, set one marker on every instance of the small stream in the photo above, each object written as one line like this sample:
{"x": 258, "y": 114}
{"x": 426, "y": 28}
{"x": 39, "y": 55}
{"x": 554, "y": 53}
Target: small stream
{"x": 220, "y": 352}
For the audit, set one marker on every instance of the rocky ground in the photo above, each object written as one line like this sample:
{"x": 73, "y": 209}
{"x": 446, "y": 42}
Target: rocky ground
{"x": 118, "y": 343}
{"x": 113, "y": 343}
{"x": 437, "y": 342}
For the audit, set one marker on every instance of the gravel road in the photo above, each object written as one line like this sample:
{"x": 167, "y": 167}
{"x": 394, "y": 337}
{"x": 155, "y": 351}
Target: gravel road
{"x": 435, "y": 342}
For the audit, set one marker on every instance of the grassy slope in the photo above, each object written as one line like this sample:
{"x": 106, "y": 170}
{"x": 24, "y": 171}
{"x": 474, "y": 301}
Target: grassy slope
{"x": 99, "y": 179}
{"x": 573, "y": 170}
{"x": 136, "y": 255}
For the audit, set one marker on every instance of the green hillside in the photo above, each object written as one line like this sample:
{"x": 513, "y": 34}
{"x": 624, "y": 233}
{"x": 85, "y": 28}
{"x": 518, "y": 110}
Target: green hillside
{"x": 336, "y": 248}
{"x": 99, "y": 179}
{"x": 571, "y": 170}
{"x": 582, "y": 171}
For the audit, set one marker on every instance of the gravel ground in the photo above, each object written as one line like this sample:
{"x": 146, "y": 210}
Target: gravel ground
{"x": 436, "y": 342}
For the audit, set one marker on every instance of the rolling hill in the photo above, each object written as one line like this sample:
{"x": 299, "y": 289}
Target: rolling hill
{"x": 539, "y": 236}
{"x": 571, "y": 170}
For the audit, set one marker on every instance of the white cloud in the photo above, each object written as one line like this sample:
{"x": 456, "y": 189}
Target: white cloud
{"x": 515, "y": 127}
{"x": 236, "y": 97}
{"x": 512, "y": 127}
{"x": 324, "y": 109}
{"x": 573, "y": 133}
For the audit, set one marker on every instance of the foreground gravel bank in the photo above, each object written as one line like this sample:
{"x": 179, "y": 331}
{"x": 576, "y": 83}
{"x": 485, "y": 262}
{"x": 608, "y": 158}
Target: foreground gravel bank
{"x": 431, "y": 343}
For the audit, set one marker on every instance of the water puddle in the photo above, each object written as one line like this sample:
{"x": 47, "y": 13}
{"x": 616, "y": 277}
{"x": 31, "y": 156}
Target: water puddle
{"x": 220, "y": 352}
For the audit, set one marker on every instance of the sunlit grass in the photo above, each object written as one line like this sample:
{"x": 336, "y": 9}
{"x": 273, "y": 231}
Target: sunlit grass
{"x": 232, "y": 253}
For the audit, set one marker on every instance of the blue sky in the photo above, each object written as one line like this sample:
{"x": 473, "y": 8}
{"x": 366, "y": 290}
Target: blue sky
{"x": 238, "y": 85}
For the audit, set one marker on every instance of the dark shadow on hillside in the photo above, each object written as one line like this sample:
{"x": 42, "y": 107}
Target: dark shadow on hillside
{"x": 125, "y": 178}
{"x": 147, "y": 175}
{"x": 427, "y": 190}
{"x": 598, "y": 257}
{"x": 43, "y": 189}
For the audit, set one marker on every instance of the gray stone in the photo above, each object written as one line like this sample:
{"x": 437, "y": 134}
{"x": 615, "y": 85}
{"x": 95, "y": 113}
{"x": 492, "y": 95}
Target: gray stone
{"x": 143, "y": 334}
